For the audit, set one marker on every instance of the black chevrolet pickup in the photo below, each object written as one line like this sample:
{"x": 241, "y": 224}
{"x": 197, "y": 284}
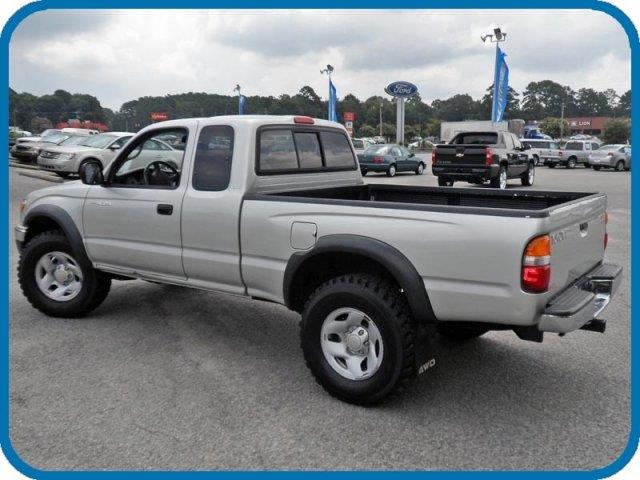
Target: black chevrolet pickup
{"x": 478, "y": 157}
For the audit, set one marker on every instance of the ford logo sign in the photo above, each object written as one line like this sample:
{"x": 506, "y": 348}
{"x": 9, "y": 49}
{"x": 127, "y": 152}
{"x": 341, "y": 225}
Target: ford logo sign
{"x": 401, "y": 89}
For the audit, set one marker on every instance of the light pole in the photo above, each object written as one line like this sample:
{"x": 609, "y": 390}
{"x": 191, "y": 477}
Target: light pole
{"x": 380, "y": 118}
{"x": 328, "y": 71}
{"x": 238, "y": 88}
{"x": 561, "y": 121}
{"x": 497, "y": 37}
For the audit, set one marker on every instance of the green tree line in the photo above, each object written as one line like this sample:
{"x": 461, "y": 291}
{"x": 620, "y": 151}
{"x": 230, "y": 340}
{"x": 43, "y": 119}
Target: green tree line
{"x": 538, "y": 101}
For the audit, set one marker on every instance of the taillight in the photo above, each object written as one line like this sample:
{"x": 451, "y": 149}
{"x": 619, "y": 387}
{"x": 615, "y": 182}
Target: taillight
{"x": 560, "y": 153}
{"x": 434, "y": 156}
{"x": 606, "y": 235}
{"x": 488, "y": 156}
{"x": 378, "y": 159}
{"x": 536, "y": 265}
{"x": 303, "y": 120}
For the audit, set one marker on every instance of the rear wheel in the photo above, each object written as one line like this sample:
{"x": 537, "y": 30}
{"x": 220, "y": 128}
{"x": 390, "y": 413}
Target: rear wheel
{"x": 55, "y": 282}
{"x": 420, "y": 169}
{"x": 357, "y": 338}
{"x": 619, "y": 166}
{"x": 552, "y": 165}
{"x": 501, "y": 180}
{"x": 597, "y": 167}
{"x": 571, "y": 162}
{"x": 443, "y": 182}
{"x": 528, "y": 177}
{"x": 391, "y": 172}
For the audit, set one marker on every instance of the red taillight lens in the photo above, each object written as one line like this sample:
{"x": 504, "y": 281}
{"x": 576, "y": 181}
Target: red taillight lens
{"x": 536, "y": 268}
{"x": 378, "y": 159}
{"x": 303, "y": 120}
{"x": 434, "y": 156}
{"x": 560, "y": 153}
{"x": 488, "y": 156}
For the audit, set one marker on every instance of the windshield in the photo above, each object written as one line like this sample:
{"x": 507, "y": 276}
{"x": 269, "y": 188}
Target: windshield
{"x": 377, "y": 150}
{"x": 74, "y": 140}
{"x": 358, "y": 144}
{"x": 57, "y": 138}
{"x": 49, "y": 131}
{"x": 98, "y": 141}
{"x": 610, "y": 148}
{"x": 475, "y": 139}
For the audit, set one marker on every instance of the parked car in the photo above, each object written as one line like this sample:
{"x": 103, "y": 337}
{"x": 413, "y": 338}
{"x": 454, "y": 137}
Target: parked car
{"x": 29, "y": 151}
{"x": 390, "y": 159}
{"x": 375, "y": 270}
{"x": 542, "y": 151}
{"x": 478, "y": 157}
{"x": 379, "y": 140}
{"x": 80, "y": 131}
{"x": 100, "y": 149}
{"x": 37, "y": 138}
{"x": 575, "y": 152}
{"x": 611, "y": 156}
{"x": 14, "y": 134}
{"x": 360, "y": 144}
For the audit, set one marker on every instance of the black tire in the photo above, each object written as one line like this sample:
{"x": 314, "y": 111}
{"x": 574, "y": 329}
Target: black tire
{"x": 527, "y": 180}
{"x": 536, "y": 160}
{"x": 495, "y": 182}
{"x": 364, "y": 172}
{"x": 571, "y": 163}
{"x": 457, "y": 333}
{"x": 420, "y": 169}
{"x": 88, "y": 160}
{"x": 443, "y": 182}
{"x": 391, "y": 172}
{"x": 551, "y": 165}
{"x": 620, "y": 166}
{"x": 597, "y": 167}
{"x": 95, "y": 284}
{"x": 388, "y": 309}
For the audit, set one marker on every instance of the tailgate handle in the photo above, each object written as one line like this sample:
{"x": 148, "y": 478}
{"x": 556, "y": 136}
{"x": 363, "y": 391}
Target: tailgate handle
{"x": 584, "y": 229}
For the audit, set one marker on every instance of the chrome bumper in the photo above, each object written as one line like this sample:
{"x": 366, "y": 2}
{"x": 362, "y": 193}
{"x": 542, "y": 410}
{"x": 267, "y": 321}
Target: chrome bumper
{"x": 579, "y": 305}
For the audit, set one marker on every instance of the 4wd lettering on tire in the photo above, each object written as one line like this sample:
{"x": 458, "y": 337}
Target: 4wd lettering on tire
{"x": 426, "y": 366}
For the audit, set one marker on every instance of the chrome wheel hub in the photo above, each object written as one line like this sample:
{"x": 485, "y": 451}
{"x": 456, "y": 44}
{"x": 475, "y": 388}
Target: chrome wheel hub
{"x": 351, "y": 343}
{"x": 58, "y": 276}
{"x": 503, "y": 179}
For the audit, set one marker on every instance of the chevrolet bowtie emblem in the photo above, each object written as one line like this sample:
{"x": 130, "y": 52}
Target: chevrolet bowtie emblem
{"x": 459, "y": 154}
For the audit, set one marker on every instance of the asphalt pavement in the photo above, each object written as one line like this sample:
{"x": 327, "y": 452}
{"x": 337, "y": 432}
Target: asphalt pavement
{"x": 168, "y": 378}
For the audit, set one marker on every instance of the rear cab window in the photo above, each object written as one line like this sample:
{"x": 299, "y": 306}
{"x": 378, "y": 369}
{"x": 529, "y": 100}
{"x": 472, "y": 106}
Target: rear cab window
{"x": 293, "y": 149}
{"x": 475, "y": 139}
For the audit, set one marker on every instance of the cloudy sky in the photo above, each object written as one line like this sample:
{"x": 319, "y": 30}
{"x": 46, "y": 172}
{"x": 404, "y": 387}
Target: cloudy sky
{"x": 120, "y": 55}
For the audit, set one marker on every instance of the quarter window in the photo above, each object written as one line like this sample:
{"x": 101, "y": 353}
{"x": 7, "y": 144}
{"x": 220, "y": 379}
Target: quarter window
{"x": 212, "y": 163}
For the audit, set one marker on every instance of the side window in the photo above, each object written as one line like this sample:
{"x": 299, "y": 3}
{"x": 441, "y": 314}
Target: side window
{"x": 587, "y": 146}
{"x": 212, "y": 162}
{"x": 595, "y": 146}
{"x": 309, "y": 152}
{"x": 508, "y": 142}
{"x": 337, "y": 151}
{"x": 555, "y": 146}
{"x": 148, "y": 166}
{"x": 118, "y": 144}
{"x": 277, "y": 150}
{"x": 396, "y": 152}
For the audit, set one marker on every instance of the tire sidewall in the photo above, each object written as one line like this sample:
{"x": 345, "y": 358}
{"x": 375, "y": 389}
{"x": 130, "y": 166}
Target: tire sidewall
{"x": 389, "y": 372}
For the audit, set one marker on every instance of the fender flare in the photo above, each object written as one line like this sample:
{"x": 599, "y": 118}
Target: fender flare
{"x": 68, "y": 226}
{"x": 389, "y": 257}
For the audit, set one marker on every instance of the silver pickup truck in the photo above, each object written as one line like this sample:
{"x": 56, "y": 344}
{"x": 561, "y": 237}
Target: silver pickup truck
{"x": 274, "y": 208}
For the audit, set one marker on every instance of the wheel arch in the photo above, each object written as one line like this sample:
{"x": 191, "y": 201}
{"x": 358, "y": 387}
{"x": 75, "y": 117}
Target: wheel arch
{"x": 334, "y": 255}
{"x": 42, "y": 218}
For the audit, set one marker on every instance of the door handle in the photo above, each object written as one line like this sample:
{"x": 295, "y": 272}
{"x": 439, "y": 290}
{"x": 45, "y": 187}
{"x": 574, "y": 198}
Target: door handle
{"x": 164, "y": 209}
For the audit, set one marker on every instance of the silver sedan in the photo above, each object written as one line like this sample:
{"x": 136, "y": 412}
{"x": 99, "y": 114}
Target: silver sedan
{"x": 611, "y": 156}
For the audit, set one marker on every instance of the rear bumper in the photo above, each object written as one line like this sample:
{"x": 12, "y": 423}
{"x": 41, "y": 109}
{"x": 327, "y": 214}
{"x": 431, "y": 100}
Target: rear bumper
{"x": 466, "y": 172}
{"x": 581, "y": 303}
{"x": 374, "y": 167}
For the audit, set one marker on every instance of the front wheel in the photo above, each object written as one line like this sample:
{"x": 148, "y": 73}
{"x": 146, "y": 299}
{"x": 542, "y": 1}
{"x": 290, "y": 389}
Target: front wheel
{"x": 528, "y": 177}
{"x": 86, "y": 162}
{"x": 501, "y": 180}
{"x": 357, "y": 338}
{"x": 619, "y": 166}
{"x": 551, "y": 165}
{"x": 597, "y": 167}
{"x": 55, "y": 282}
{"x": 420, "y": 169}
{"x": 571, "y": 163}
{"x": 392, "y": 171}
{"x": 443, "y": 182}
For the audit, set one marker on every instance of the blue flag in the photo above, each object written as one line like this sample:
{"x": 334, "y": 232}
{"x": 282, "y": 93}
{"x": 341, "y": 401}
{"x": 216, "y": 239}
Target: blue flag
{"x": 333, "y": 99}
{"x": 241, "y": 101}
{"x": 500, "y": 87}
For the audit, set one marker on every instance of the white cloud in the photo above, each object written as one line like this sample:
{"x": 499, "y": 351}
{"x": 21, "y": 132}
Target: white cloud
{"x": 120, "y": 55}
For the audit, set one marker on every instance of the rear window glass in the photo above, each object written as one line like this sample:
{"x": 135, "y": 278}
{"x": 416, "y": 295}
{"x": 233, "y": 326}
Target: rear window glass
{"x": 475, "y": 139}
{"x": 308, "y": 150}
{"x": 337, "y": 152}
{"x": 573, "y": 146}
{"x": 277, "y": 150}
{"x": 212, "y": 165}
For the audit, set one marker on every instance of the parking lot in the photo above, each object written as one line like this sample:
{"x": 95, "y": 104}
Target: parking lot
{"x": 166, "y": 378}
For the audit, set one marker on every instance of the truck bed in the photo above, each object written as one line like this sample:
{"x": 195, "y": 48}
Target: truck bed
{"x": 514, "y": 203}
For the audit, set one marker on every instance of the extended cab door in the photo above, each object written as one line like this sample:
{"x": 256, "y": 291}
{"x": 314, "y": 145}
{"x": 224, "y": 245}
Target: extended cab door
{"x": 132, "y": 222}
{"x": 211, "y": 214}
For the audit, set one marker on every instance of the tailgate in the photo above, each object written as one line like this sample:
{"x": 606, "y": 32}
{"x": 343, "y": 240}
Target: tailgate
{"x": 461, "y": 155}
{"x": 577, "y": 231}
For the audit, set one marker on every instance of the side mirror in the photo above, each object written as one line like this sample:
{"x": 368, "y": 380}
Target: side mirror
{"x": 91, "y": 174}
{"x": 114, "y": 148}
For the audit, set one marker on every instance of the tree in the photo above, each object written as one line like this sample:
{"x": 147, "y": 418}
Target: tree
{"x": 551, "y": 126}
{"x": 623, "y": 109}
{"x": 616, "y": 131}
{"x": 457, "y": 108}
{"x": 367, "y": 131}
{"x": 545, "y": 99}
{"x": 592, "y": 103}
{"x": 512, "y": 109}
{"x": 433, "y": 127}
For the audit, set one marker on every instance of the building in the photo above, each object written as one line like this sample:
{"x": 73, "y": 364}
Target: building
{"x": 587, "y": 125}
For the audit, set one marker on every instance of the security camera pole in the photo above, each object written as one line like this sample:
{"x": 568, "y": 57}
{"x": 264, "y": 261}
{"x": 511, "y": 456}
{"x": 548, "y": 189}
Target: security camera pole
{"x": 240, "y": 99}
{"x": 497, "y": 37}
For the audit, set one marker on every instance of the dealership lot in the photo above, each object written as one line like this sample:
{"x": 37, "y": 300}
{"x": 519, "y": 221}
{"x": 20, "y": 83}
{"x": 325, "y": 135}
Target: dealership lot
{"x": 162, "y": 377}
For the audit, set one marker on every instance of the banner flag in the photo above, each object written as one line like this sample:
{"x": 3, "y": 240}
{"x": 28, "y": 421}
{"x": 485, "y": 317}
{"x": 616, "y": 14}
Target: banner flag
{"x": 241, "y": 102}
{"x": 500, "y": 87}
{"x": 333, "y": 100}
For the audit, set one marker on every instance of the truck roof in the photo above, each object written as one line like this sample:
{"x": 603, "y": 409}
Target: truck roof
{"x": 255, "y": 120}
